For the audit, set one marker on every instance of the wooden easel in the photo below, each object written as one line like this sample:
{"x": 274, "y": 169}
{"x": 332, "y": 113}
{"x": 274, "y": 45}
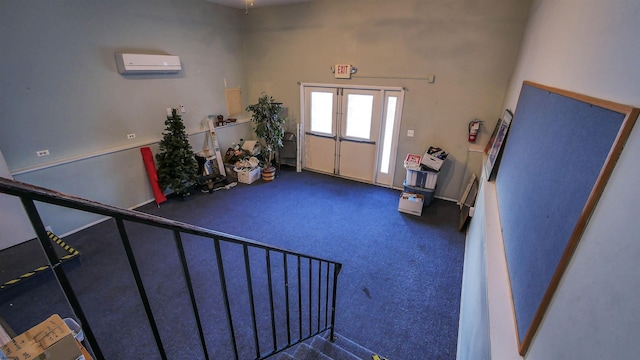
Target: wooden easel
{"x": 216, "y": 148}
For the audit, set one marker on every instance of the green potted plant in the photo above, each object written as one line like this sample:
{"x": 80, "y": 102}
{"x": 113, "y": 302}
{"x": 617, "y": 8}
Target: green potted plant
{"x": 269, "y": 128}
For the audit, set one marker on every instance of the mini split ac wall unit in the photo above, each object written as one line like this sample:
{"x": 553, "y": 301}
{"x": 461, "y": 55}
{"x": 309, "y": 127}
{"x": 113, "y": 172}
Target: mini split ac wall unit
{"x": 147, "y": 63}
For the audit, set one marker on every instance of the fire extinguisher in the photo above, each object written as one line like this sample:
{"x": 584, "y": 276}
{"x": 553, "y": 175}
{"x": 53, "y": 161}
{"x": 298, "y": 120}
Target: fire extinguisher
{"x": 474, "y": 127}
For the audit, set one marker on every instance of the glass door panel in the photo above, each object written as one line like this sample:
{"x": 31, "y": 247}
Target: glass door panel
{"x": 360, "y": 128}
{"x": 322, "y": 112}
{"x": 320, "y": 122}
{"x": 390, "y": 131}
{"x": 359, "y": 116}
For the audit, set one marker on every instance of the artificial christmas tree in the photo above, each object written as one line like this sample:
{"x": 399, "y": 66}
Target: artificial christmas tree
{"x": 177, "y": 166}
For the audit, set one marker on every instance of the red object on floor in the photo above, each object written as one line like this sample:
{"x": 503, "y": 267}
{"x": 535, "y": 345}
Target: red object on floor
{"x": 150, "y": 165}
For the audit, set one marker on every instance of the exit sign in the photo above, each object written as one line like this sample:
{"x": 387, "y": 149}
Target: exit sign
{"x": 343, "y": 71}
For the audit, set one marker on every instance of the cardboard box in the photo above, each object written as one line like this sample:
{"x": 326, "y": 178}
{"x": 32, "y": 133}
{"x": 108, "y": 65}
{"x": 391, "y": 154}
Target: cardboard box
{"x": 249, "y": 176}
{"x": 252, "y": 146}
{"x": 411, "y": 203}
{"x": 412, "y": 162}
{"x": 432, "y": 162}
{"x": 51, "y": 340}
{"x": 434, "y": 158}
{"x": 85, "y": 353}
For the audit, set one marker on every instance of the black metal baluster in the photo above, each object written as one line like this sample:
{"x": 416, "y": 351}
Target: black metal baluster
{"x": 143, "y": 295}
{"x": 187, "y": 276}
{"x": 319, "y": 291}
{"x": 299, "y": 299}
{"x": 310, "y": 296}
{"x": 273, "y": 314}
{"x": 247, "y": 267}
{"x": 336, "y": 270}
{"x": 286, "y": 299}
{"x": 225, "y": 294}
{"x": 326, "y": 300}
{"x": 60, "y": 275}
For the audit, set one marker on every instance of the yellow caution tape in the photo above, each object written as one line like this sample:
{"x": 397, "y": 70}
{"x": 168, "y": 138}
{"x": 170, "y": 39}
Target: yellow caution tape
{"x": 71, "y": 254}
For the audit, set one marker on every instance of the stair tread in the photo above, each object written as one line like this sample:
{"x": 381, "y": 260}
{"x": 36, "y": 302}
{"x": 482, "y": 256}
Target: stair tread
{"x": 285, "y": 356}
{"x": 357, "y": 350}
{"x": 332, "y": 350}
{"x": 306, "y": 352}
{"x": 320, "y": 348}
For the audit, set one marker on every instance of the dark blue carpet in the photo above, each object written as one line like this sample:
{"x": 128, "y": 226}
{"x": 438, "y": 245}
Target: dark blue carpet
{"x": 398, "y": 292}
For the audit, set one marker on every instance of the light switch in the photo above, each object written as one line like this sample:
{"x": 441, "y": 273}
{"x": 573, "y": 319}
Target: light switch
{"x": 410, "y": 133}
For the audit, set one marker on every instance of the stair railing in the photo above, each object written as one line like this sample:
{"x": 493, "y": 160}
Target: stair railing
{"x": 326, "y": 278}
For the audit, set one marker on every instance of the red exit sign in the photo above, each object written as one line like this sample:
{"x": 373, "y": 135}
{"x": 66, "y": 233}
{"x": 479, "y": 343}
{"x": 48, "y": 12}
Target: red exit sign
{"x": 343, "y": 71}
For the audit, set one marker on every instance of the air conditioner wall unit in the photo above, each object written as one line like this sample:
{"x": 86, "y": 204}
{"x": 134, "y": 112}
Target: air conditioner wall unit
{"x": 147, "y": 63}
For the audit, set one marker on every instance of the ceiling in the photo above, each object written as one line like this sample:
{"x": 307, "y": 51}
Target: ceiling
{"x": 243, "y": 4}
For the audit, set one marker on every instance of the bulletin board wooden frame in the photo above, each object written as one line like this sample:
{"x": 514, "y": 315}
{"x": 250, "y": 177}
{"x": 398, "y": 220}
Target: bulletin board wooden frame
{"x": 561, "y": 150}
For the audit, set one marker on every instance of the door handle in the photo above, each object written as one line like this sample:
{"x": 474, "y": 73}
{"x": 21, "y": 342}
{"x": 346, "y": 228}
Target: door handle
{"x": 370, "y": 142}
{"x": 333, "y": 137}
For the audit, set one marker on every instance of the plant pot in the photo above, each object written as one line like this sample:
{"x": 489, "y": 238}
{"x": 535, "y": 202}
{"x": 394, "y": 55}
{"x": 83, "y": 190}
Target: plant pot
{"x": 268, "y": 174}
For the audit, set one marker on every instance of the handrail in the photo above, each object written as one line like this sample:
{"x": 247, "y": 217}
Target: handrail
{"x": 41, "y": 194}
{"x": 30, "y": 193}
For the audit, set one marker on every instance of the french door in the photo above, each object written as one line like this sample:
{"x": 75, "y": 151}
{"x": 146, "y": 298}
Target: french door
{"x": 351, "y": 131}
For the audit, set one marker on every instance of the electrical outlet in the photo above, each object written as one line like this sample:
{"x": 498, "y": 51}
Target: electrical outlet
{"x": 410, "y": 133}
{"x": 42, "y": 152}
{"x": 131, "y": 136}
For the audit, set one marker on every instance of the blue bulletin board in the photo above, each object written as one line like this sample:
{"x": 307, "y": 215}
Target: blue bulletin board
{"x": 559, "y": 154}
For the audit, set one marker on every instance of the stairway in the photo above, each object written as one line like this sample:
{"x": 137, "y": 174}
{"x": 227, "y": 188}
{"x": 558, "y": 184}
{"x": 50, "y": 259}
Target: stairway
{"x": 320, "y": 348}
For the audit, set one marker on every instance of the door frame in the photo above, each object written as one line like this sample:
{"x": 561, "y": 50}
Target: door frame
{"x": 396, "y": 129}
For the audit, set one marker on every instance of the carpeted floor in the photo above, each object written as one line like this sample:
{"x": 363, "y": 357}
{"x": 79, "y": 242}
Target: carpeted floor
{"x": 398, "y": 293}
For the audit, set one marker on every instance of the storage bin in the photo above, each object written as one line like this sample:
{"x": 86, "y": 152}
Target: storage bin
{"x": 75, "y": 328}
{"x": 424, "y": 179}
{"x": 249, "y": 176}
{"x": 427, "y": 193}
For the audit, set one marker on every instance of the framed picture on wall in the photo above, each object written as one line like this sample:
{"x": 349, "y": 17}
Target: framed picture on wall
{"x": 487, "y": 148}
{"x": 496, "y": 147}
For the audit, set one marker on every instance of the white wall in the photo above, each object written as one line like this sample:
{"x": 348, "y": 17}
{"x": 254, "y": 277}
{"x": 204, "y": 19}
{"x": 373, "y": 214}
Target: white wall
{"x": 61, "y": 90}
{"x": 592, "y": 47}
{"x": 470, "y": 46}
{"x": 14, "y": 222}
{"x": 473, "y": 330}
{"x": 589, "y": 47}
